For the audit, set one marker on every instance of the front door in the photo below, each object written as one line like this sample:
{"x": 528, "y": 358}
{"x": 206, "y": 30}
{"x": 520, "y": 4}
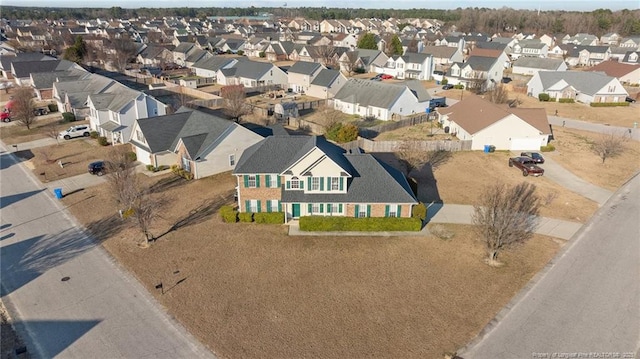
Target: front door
{"x": 295, "y": 209}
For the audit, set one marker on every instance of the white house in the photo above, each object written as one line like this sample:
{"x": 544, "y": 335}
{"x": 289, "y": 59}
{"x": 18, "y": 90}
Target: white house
{"x": 326, "y": 84}
{"x": 411, "y": 65}
{"x": 252, "y": 74}
{"x": 530, "y": 65}
{"x": 582, "y": 86}
{"x": 486, "y": 123}
{"x": 385, "y": 101}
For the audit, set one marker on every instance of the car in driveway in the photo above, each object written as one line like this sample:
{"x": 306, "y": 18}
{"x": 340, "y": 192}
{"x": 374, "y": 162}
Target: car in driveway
{"x": 97, "y": 168}
{"x": 41, "y": 111}
{"x": 535, "y": 156}
{"x": 386, "y": 77}
{"x": 526, "y": 165}
{"x": 447, "y": 87}
{"x": 75, "y": 131}
{"x": 5, "y": 116}
{"x": 630, "y": 99}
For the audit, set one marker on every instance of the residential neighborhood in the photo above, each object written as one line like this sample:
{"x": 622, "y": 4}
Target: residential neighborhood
{"x": 292, "y": 182}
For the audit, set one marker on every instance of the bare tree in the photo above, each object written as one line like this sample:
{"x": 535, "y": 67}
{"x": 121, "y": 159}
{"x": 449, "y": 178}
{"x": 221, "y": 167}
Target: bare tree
{"x": 351, "y": 62}
{"x": 121, "y": 177}
{"x": 498, "y": 94}
{"x": 23, "y": 107}
{"x": 505, "y": 216}
{"x": 124, "y": 50}
{"x": 411, "y": 156}
{"x": 234, "y": 101}
{"x": 145, "y": 209}
{"x": 329, "y": 117}
{"x": 327, "y": 54}
{"x": 53, "y": 131}
{"x": 609, "y": 145}
{"x": 438, "y": 157}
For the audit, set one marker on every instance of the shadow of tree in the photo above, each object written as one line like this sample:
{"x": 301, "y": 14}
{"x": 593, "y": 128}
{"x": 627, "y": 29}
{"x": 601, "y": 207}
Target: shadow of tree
{"x": 167, "y": 183}
{"x": 106, "y": 228}
{"x": 201, "y": 213}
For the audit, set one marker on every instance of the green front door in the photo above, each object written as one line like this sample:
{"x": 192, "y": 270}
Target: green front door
{"x": 295, "y": 208}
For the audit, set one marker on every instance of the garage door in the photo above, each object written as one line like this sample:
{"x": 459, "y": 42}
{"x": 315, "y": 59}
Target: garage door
{"x": 525, "y": 144}
{"x": 142, "y": 155}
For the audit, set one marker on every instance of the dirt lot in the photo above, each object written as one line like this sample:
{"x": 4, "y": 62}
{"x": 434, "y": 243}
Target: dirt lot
{"x": 573, "y": 152}
{"x": 251, "y": 291}
{"x": 74, "y": 154}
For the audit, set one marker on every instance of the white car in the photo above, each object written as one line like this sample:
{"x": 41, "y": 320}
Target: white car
{"x": 75, "y": 131}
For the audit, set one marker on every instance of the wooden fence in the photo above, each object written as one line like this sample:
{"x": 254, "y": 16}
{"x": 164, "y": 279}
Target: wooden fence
{"x": 372, "y": 132}
{"x": 395, "y": 146}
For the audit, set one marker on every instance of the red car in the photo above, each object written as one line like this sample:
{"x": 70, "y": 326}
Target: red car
{"x": 5, "y": 116}
{"x": 527, "y": 165}
{"x": 386, "y": 77}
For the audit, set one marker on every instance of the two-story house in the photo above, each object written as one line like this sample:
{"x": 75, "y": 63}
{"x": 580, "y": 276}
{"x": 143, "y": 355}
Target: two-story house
{"x": 301, "y": 74}
{"x": 411, "y": 65}
{"x": 478, "y": 72}
{"x": 309, "y": 176}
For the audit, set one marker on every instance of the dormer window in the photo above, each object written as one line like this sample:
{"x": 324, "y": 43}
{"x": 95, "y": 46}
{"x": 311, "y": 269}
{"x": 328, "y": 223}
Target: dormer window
{"x": 295, "y": 183}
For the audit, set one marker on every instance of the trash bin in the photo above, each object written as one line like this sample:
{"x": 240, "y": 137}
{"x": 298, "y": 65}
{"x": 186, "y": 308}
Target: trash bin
{"x": 446, "y": 129}
{"x": 492, "y": 148}
{"x": 58, "y": 192}
{"x": 486, "y": 149}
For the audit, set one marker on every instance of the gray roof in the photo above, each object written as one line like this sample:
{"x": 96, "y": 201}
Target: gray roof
{"x": 184, "y": 47}
{"x": 25, "y": 68}
{"x": 214, "y": 63}
{"x": 199, "y": 131}
{"x": 6, "y": 61}
{"x": 252, "y": 69}
{"x": 418, "y": 90}
{"x": 305, "y": 67}
{"x": 371, "y": 93}
{"x": 45, "y": 80}
{"x": 325, "y": 77}
{"x": 441, "y": 52}
{"x": 480, "y": 63}
{"x": 197, "y": 55}
{"x": 371, "y": 181}
{"x": 584, "y": 81}
{"x": 538, "y": 63}
{"x": 367, "y": 56}
{"x": 493, "y": 45}
{"x": 415, "y": 58}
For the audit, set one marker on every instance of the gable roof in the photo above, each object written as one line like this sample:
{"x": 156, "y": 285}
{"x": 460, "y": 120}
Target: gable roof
{"x": 372, "y": 93}
{"x": 7, "y": 60}
{"x": 480, "y": 63}
{"x": 214, "y": 63}
{"x": 485, "y": 52}
{"x": 325, "y": 77}
{"x": 304, "y": 67}
{"x": 474, "y": 114}
{"x": 252, "y": 69}
{"x": 584, "y": 81}
{"x": 25, "y": 68}
{"x": 441, "y": 52}
{"x": 614, "y": 68}
{"x": 538, "y": 62}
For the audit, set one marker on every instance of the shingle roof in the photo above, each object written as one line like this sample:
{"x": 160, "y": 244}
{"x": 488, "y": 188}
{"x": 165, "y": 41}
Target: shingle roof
{"x": 6, "y": 61}
{"x": 583, "y": 81}
{"x": 538, "y": 63}
{"x": 480, "y": 63}
{"x": 440, "y": 52}
{"x": 214, "y": 63}
{"x": 370, "y": 93}
{"x": 25, "y": 68}
{"x": 614, "y": 68}
{"x": 325, "y": 77}
{"x": 304, "y": 67}
{"x": 160, "y": 131}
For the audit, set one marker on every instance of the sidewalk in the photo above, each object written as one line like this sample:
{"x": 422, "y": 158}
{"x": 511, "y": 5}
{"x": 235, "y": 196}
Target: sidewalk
{"x": 594, "y": 127}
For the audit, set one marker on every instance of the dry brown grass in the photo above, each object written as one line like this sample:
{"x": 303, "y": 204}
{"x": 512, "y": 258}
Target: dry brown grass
{"x": 14, "y": 132}
{"x": 419, "y": 132}
{"x": 251, "y": 291}
{"x": 461, "y": 180}
{"x": 75, "y": 155}
{"x": 573, "y": 152}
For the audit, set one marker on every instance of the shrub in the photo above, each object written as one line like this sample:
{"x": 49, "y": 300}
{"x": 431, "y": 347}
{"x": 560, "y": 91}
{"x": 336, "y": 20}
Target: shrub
{"x": 370, "y": 224}
{"x": 246, "y": 217}
{"x": 228, "y": 214}
{"x": 262, "y": 54}
{"x": 543, "y": 97}
{"x": 566, "y": 100}
{"x": 608, "y": 104}
{"x": 175, "y": 168}
{"x": 102, "y": 141}
{"x": 444, "y": 81}
{"x": 151, "y": 168}
{"x": 347, "y": 133}
{"x": 359, "y": 70}
{"x": 68, "y": 117}
{"x": 547, "y": 148}
{"x": 94, "y": 135}
{"x": 332, "y": 132}
{"x": 52, "y": 107}
{"x": 419, "y": 211}
{"x": 240, "y": 53}
{"x": 458, "y": 87}
{"x": 269, "y": 217}
{"x": 131, "y": 156}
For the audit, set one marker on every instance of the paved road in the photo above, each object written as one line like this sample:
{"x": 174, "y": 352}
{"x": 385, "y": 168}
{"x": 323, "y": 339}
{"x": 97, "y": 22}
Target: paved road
{"x": 101, "y": 311}
{"x": 587, "y": 300}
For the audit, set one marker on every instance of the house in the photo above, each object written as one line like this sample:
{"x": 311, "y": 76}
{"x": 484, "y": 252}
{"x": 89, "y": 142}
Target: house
{"x": 530, "y": 65}
{"x": 21, "y": 70}
{"x": 631, "y": 42}
{"x": 209, "y": 67}
{"x": 6, "y": 61}
{"x": 307, "y": 175}
{"x": 364, "y": 60}
{"x": 155, "y": 56}
{"x": 252, "y": 74}
{"x": 631, "y": 57}
{"x": 443, "y": 56}
{"x": 533, "y": 48}
{"x": 586, "y": 55}
{"x": 611, "y": 39}
{"x": 349, "y": 41}
{"x": 71, "y": 94}
{"x": 411, "y": 65}
{"x": 301, "y": 74}
{"x": 479, "y": 72}
{"x": 581, "y": 86}
{"x": 625, "y": 73}
{"x": 385, "y": 101}
{"x": 42, "y": 82}
{"x": 113, "y": 112}
{"x": 326, "y": 84}
{"x": 200, "y": 143}
{"x": 182, "y": 51}
{"x": 486, "y": 123}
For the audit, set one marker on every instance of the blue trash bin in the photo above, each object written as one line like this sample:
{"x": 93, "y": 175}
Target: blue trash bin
{"x": 486, "y": 148}
{"x": 58, "y": 192}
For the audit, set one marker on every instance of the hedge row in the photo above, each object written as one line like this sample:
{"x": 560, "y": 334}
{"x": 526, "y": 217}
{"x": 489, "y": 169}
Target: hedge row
{"x": 566, "y": 100}
{"x": 547, "y": 148}
{"x": 230, "y": 215}
{"x": 369, "y": 224}
{"x": 608, "y": 104}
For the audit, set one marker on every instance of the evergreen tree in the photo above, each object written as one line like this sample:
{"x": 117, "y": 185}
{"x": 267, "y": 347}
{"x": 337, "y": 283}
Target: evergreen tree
{"x": 367, "y": 41}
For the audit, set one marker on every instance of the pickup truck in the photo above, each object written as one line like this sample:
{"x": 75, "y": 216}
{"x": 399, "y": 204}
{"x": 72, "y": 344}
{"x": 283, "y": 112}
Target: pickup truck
{"x": 438, "y": 102}
{"x": 526, "y": 165}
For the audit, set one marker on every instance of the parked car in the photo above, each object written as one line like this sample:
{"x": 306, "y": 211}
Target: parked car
{"x": 447, "y": 87}
{"x": 535, "y": 156}
{"x": 506, "y": 80}
{"x": 386, "y": 77}
{"x": 630, "y": 99}
{"x": 75, "y": 131}
{"x": 97, "y": 168}
{"x": 526, "y": 165}
{"x": 5, "y": 116}
{"x": 39, "y": 111}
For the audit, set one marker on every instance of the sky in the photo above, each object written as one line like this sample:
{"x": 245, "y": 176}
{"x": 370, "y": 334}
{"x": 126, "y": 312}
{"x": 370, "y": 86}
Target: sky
{"x": 569, "y": 5}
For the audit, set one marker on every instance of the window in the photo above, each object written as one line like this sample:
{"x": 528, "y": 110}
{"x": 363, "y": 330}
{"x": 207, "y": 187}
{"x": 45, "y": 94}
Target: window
{"x": 232, "y": 160}
{"x": 251, "y": 182}
{"x": 315, "y": 183}
{"x": 252, "y": 206}
{"x": 272, "y": 180}
{"x": 274, "y": 205}
{"x": 140, "y": 136}
{"x": 315, "y": 208}
{"x": 295, "y": 183}
{"x": 330, "y": 208}
{"x": 335, "y": 183}
{"x": 362, "y": 212}
{"x": 393, "y": 211}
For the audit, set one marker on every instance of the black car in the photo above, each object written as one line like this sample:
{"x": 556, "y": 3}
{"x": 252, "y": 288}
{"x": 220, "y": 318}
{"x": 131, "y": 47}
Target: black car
{"x": 630, "y": 99}
{"x": 535, "y": 156}
{"x": 97, "y": 168}
{"x": 506, "y": 80}
{"x": 447, "y": 87}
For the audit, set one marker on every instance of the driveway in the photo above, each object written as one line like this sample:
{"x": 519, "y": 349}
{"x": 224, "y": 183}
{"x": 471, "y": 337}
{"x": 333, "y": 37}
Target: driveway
{"x": 634, "y": 133}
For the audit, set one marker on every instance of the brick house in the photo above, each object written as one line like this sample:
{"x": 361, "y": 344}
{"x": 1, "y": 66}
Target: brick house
{"x": 307, "y": 175}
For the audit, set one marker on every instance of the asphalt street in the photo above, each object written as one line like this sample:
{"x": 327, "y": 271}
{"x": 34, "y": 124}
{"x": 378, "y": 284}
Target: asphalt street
{"x": 585, "y": 302}
{"x": 67, "y": 296}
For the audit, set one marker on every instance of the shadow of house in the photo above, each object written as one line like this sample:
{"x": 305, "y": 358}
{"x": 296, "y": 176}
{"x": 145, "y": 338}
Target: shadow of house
{"x": 53, "y": 336}
{"x": 8, "y": 159}
{"x": 11, "y": 199}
